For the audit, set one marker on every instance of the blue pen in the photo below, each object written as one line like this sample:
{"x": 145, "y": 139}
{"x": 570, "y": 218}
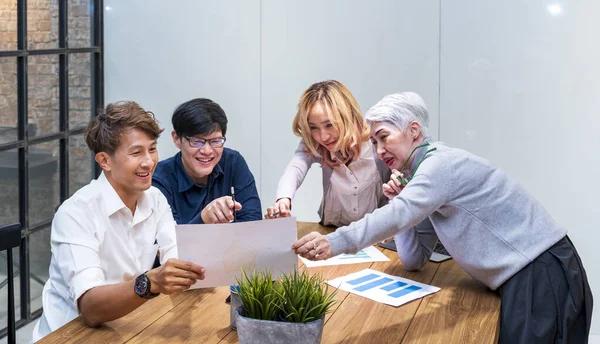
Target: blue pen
{"x": 233, "y": 199}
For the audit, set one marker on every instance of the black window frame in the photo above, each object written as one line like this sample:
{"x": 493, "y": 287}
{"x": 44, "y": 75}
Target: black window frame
{"x": 95, "y": 49}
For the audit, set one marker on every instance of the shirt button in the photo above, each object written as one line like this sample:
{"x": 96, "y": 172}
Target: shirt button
{"x": 354, "y": 194}
{"x": 354, "y": 209}
{"x": 356, "y": 187}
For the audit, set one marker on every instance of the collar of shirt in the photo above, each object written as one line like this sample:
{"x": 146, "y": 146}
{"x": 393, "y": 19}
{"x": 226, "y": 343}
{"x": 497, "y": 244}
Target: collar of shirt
{"x": 418, "y": 155}
{"x": 184, "y": 182}
{"x": 114, "y": 203}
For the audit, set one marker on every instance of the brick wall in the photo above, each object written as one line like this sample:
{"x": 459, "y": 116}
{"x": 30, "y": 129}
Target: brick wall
{"x": 43, "y": 103}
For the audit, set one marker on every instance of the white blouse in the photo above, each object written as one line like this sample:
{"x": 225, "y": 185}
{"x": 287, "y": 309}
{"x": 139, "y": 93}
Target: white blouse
{"x": 349, "y": 192}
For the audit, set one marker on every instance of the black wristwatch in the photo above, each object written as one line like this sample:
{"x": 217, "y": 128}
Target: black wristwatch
{"x": 142, "y": 287}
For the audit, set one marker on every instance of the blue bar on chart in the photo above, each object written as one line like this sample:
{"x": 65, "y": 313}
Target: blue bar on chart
{"x": 404, "y": 291}
{"x": 393, "y": 286}
{"x": 363, "y": 279}
{"x": 373, "y": 284}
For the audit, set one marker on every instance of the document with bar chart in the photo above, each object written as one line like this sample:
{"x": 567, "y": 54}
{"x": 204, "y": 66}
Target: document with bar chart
{"x": 366, "y": 255}
{"x": 384, "y": 288}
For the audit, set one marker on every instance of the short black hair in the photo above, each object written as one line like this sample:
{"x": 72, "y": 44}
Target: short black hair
{"x": 199, "y": 117}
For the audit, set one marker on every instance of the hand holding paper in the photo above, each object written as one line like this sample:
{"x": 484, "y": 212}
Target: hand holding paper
{"x": 175, "y": 275}
{"x": 225, "y": 249}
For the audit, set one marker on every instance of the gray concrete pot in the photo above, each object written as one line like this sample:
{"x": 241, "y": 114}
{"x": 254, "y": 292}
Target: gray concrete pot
{"x": 234, "y": 303}
{"x": 254, "y": 331}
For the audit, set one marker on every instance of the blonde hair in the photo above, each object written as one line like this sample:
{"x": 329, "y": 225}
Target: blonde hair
{"x": 343, "y": 112}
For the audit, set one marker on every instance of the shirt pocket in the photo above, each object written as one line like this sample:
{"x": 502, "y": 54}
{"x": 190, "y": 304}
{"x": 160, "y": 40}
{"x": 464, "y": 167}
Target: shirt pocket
{"x": 148, "y": 256}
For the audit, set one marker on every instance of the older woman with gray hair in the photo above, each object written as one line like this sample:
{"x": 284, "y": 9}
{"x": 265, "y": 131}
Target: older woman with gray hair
{"x": 496, "y": 231}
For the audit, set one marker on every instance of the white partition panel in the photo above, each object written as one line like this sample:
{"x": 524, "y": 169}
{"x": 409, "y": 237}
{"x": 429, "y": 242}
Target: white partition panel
{"x": 162, "y": 53}
{"x": 373, "y": 47}
{"x": 519, "y": 86}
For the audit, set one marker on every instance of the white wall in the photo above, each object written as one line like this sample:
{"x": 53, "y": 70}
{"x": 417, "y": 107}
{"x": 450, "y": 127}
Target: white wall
{"x": 517, "y": 81}
{"x": 162, "y": 55}
{"x": 355, "y": 42}
{"x": 255, "y": 58}
{"x": 519, "y": 86}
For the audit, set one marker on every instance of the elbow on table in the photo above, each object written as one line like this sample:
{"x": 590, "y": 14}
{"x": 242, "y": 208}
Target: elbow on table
{"x": 91, "y": 320}
{"x": 413, "y": 263}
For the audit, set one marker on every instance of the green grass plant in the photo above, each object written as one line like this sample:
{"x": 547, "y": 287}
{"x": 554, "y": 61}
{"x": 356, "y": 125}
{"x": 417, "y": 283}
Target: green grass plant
{"x": 293, "y": 297}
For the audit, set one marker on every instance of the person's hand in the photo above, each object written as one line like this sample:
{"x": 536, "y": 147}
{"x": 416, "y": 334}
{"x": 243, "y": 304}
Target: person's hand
{"x": 313, "y": 246}
{"x": 393, "y": 187}
{"x": 220, "y": 210}
{"x": 173, "y": 276}
{"x": 281, "y": 208}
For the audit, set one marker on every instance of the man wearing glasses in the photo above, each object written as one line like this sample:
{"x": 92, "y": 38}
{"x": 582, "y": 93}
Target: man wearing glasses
{"x": 198, "y": 180}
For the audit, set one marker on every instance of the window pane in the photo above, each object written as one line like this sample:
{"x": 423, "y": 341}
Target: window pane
{"x": 80, "y": 96}
{"x": 9, "y": 184}
{"x": 4, "y": 287}
{"x": 44, "y": 183}
{"x": 8, "y": 25}
{"x": 8, "y": 99}
{"x": 80, "y": 25}
{"x": 43, "y": 103}
{"x": 39, "y": 262}
{"x": 42, "y": 24}
{"x": 80, "y": 164}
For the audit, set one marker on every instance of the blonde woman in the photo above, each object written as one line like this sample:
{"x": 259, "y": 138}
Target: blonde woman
{"x": 333, "y": 133}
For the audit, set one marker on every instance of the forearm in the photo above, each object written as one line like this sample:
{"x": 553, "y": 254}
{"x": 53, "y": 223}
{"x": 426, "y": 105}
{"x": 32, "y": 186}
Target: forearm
{"x": 414, "y": 246}
{"x": 294, "y": 173}
{"x": 109, "y": 302}
{"x": 251, "y": 208}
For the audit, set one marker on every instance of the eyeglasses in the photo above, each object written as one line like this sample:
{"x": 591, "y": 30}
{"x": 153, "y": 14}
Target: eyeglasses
{"x": 199, "y": 143}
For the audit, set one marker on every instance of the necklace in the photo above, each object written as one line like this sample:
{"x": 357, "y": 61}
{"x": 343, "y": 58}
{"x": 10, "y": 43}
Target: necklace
{"x": 405, "y": 181}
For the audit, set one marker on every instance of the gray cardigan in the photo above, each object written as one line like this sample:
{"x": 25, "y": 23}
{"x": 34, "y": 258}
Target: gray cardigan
{"x": 487, "y": 221}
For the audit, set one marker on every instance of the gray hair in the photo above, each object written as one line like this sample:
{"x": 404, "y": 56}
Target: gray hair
{"x": 400, "y": 109}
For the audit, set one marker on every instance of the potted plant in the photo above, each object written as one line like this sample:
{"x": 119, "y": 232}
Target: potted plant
{"x": 290, "y": 309}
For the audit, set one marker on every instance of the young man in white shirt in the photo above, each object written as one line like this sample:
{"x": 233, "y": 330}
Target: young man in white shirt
{"x": 106, "y": 236}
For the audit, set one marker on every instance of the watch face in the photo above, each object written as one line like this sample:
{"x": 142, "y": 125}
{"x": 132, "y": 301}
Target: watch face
{"x": 141, "y": 285}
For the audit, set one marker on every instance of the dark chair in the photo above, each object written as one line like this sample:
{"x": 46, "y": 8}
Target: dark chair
{"x": 10, "y": 237}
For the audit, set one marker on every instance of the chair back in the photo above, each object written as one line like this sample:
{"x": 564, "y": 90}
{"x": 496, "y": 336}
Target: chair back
{"x": 10, "y": 238}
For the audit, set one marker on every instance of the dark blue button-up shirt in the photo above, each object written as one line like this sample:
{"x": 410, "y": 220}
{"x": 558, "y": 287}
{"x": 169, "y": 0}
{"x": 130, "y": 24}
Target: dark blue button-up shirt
{"x": 187, "y": 199}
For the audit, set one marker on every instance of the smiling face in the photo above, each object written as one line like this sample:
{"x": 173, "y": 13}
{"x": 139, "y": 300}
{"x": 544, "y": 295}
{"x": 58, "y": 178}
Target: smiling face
{"x": 394, "y": 145}
{"x": 321, "y": 128}
{"x": 129, "y": 169}
{"x": 199, "y": 163}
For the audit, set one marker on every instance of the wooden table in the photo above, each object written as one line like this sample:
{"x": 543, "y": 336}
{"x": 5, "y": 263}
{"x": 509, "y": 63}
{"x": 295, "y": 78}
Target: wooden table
{"x": 463, "y": 311}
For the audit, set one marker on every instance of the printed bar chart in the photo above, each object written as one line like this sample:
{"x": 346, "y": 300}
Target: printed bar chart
{"x": 374, "y": 284}
{"x": 363, "y": 279}
{"x": 393, "y": 286}
{"x": 405, "y": 291}
{"x": 381, "y": 287}
{"x": 358, "y": 255}
{"x": 366, "y": 255}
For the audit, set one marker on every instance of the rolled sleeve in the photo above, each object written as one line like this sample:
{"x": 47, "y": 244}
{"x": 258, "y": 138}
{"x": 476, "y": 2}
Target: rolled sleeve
{"x": 76, "y": 248}
{"x": 85, "y": 280}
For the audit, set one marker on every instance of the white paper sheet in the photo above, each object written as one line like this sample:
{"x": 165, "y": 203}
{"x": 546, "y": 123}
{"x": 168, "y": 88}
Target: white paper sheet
{"x": 383, "y": 288}
{"x": 225, "y": 249}
{"x": 367, "y": 255}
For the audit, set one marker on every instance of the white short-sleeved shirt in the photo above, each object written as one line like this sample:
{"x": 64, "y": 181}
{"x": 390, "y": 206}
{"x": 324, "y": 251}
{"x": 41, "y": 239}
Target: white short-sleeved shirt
{"x": 97, "y": 241}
